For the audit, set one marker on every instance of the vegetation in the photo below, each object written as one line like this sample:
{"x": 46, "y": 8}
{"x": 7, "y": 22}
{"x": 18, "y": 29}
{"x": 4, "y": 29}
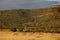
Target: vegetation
{"x": 33, "y": 20}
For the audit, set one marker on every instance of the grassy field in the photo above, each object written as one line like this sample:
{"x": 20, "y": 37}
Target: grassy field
{"x": 6, "y": 35}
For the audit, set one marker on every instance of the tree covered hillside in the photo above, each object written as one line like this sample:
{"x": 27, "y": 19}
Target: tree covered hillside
{"x": 45, "y": 19}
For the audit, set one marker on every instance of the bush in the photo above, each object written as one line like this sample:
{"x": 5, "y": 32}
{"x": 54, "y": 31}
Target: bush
{"x": 13, "y": 29}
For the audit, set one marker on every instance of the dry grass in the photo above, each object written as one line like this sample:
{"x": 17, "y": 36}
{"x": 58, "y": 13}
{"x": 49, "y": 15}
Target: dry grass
{"x": 6, "y": 35}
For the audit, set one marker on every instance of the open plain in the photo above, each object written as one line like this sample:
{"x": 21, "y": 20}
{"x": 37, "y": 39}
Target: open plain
{"x": 6, "y": 35}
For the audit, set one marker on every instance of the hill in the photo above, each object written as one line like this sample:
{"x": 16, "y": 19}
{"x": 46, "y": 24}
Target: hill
{"x": 35, "y": 20}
